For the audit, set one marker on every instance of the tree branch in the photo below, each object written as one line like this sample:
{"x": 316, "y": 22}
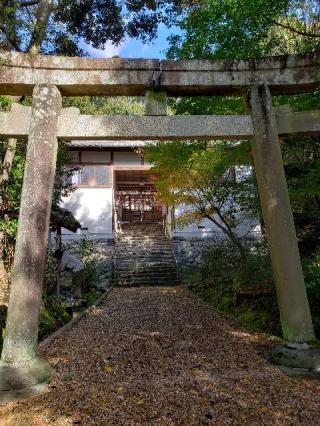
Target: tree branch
{"x": 296, "y": 31}
{"x": 40, "y": 24}
{"x": 9, "y": 40}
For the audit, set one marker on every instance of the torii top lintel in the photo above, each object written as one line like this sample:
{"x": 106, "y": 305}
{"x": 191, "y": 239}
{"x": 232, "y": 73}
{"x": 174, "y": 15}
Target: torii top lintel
{"x": 20, "y": 72}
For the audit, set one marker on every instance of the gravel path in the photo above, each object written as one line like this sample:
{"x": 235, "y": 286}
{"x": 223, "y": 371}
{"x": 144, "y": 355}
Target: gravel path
{"x": 158, "y": 356}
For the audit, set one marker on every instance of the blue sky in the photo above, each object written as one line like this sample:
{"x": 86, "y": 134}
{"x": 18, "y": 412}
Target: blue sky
{"x": 131, "y": 48}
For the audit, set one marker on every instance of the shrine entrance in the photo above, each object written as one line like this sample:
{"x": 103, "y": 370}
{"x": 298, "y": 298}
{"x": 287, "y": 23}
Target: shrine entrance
{"x": 135, "y": 197}
{"x": 49, "y": 78}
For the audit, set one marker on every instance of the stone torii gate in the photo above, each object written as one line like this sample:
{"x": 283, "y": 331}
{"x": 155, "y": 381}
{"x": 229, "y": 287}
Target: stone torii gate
{"x": 49, "y": 78}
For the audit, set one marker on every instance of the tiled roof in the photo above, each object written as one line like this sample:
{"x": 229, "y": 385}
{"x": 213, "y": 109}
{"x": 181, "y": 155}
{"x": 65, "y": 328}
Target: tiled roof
{"x": 107, "y": 144}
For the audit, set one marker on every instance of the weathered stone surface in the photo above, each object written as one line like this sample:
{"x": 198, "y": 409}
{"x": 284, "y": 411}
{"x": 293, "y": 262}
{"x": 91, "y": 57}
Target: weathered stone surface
{"x": 156, "y": 102}
{"x": 103, "y": 256}
{"x": 21, "y": 333}
{"x": 291, "y": 294}
{"x": 70, "y": 111}
{"x": 189, "y": 252}
{"x": 304, "y": 122}
{"x": 20, "y": 377}
{"x": 107, "y": 127}
{"x": 144, "y": 256}
{"x": 20, "y": 72}
{"x": 154, "y": 127}
{"x": 297, "y": 357}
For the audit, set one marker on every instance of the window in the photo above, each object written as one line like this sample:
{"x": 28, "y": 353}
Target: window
{"x": 92, "y": 176}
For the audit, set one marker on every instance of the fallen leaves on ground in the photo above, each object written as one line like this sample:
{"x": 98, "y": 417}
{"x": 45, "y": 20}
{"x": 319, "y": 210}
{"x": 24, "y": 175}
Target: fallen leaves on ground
{"x": 158, "y": 356}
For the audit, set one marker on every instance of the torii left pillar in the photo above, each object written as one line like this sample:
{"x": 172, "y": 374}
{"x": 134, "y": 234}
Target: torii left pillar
{"x": 20, "y": 366}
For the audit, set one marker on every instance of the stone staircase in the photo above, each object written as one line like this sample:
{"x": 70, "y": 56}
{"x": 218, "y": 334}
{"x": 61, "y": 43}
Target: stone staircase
{"x": 144, "y": 257}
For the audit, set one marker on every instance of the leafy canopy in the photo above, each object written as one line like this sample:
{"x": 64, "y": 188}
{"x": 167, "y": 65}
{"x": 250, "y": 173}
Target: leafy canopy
{"x": 199, "y": 178}
{"x": 63, "y": 26}
{"x": 239, "y": 29}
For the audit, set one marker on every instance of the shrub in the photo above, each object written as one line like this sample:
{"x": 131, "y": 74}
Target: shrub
{"x": 85, "y": 250}
{"x": 50, "y": 274}
{"x": 53, "y": 315}
{"x": 224, "y": 272}
{"x": 223, "y": 277}
{"x": 311, "y": 269}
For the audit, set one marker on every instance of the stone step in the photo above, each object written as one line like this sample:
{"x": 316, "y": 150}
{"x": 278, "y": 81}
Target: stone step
{"x": 143, "y": 247}
{"x": 146, "y": 283}
{"x": 144, "y": 257}
{"x": 131, "y": 244}
{"x": 155, "y": 256}
{"x": 143, "y": 275}
{"x": 143, "y": 266}
{"x": 154, "y": 244}
{"x": 122, "y": 272}
{"x": 145, "y": 263}
{"x": 151, "y": 256}
{"x": 141, "y": 233}
{"x": 149, "y": 241}
{"x": 135, "y": 236}
{"x": 146, "y": 271}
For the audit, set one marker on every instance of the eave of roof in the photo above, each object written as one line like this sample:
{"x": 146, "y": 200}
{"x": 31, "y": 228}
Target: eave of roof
{"x": 107, "y": 144}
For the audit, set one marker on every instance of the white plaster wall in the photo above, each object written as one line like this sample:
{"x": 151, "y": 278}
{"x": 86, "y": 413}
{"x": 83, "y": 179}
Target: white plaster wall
{"x": 206, "y": 228}
{"x": 92, "y": 207}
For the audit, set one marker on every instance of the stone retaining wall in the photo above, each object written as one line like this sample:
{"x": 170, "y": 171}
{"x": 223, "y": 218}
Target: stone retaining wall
{"x": 189, "y": 252}
{"x": 103, "y": 254}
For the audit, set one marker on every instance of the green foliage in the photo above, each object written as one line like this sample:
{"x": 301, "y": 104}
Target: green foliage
{"x": 302, "y": 166}
{"x": 10, "y": 209}
{"x": 62, "y": 29}
{"x": 90, "y": 297}
{"x": 222, "y": 279}
{"x": 10, "y": 195}
{"x": 301, "y": 102}
{"x": 311, "y": 268}
{"x": 245, "y": 29}
{"x": 53, "y": 312}
{"x": 50, "y": 273}
{"x": 209, "y": 105}
{"x": 242, "y": 290}
{"x": 120, "y": 105}
{"x": 202, "y": 179}
{"x": 239, "y": 29}
{"x": 85, "y": 252}
{"x": 53, "y": 315}
{"x": 223, "y": 269}
{"x": 5, "y": 103}
{"x": 259, "y": 320}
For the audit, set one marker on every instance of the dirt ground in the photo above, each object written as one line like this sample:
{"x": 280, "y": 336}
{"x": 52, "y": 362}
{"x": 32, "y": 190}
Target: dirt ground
{"x": 159, "y": 356}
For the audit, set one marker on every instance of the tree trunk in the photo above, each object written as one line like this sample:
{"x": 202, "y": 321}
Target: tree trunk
{"x": 230, "y": 234}
{"x": 39, "y": 30}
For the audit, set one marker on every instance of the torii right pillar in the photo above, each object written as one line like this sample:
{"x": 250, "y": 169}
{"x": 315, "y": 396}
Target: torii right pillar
{"x": 276, "y": 209}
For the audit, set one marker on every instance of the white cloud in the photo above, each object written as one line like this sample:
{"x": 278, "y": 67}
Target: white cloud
{"x": 108, "y": 51}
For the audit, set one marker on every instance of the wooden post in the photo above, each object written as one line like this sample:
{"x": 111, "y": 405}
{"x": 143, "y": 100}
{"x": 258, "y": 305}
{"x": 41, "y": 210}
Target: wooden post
{"x": 291, "y": 293}
{"x": 20, "y": 366}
